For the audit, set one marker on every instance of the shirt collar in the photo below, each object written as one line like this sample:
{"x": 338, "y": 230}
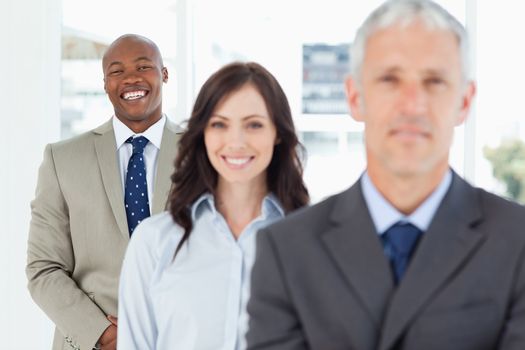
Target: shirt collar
{"x": 153, "y": 133}
{"x": 270, "y": 206}
{"x": 385, "y": 215}
{"x": 205, "y": 201}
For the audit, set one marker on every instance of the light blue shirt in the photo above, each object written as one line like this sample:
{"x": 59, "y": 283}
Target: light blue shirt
{"x": 197, "y": 301}
{"x": 385, "y": 215}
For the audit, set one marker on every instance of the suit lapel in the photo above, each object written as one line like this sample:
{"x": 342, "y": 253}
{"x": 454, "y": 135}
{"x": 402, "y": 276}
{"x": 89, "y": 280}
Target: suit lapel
{"x": 166, "y": 158}
{"x": 449, "y": 242}
{"x": 357, "y": 251}
{"x": 106, "y": 150}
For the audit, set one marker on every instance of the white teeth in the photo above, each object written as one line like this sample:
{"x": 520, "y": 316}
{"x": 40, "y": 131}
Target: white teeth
{"x": 237, "y": 161}
{"x": 133, "y": 95}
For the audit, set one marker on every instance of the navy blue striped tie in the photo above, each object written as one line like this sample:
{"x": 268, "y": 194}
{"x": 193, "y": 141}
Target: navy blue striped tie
{"x": 136, "y": 197}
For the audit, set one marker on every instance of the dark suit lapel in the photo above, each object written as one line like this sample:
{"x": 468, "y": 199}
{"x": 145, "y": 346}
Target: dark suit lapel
{"x": 357, "y": 251}
{"x": 166, "y": 158}
{"x": 106, "y": 150}
{"x": 447, "y": 245}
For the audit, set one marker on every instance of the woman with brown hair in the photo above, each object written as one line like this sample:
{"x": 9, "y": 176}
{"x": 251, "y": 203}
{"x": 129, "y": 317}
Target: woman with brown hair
{"x": 185, "y": 280}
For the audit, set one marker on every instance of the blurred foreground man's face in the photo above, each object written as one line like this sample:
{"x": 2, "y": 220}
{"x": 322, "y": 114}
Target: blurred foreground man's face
{"x": 410, "y": 95}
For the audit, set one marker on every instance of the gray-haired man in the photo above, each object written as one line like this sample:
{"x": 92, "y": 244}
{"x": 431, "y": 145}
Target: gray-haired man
{"x": 411, "y": 257}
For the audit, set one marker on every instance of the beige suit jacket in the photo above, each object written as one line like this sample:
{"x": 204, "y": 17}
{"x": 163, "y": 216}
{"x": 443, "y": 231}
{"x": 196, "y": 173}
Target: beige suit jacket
{"x": 78, "y": 232}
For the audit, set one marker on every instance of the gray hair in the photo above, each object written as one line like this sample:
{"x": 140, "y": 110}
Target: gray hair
{"x": 404, "y": 13}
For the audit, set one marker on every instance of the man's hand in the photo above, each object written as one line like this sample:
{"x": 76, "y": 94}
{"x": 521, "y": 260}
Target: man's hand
{"x": 113, "y": 320}
{"x": 108, "y": 339}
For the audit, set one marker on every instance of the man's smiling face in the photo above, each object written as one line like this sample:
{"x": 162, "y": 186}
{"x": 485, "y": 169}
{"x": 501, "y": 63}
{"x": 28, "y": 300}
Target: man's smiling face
{"x": 133, "y": 77}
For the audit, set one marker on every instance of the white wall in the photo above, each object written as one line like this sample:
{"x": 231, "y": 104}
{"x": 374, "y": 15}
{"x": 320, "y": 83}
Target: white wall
{"x": 30, "y": 116}
{"x": 501, "y": 73}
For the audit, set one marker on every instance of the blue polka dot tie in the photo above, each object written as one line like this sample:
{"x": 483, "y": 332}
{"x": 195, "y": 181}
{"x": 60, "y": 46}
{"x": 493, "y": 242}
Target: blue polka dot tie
{"x": 399, "y": 242}
{"x": 136, "y": 197}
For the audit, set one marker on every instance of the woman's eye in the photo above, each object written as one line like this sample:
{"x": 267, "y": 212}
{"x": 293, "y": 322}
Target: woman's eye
{"x": 217, "y": 125}
{"x": 255, "y": 125}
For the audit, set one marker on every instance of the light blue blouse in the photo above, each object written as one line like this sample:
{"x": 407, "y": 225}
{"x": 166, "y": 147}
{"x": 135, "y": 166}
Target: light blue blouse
{"x": 197, "y": 301}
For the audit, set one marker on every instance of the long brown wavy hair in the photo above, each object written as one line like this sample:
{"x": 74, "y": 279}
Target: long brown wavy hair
{"x": 194, "y": 174}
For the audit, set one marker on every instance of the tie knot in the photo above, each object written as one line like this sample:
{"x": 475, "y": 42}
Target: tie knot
{"x": 402, "y": 237}
{"x": 138, "y": 143}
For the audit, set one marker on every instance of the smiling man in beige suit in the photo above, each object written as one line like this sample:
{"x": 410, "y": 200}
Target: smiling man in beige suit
{"x": 79, "y": 228}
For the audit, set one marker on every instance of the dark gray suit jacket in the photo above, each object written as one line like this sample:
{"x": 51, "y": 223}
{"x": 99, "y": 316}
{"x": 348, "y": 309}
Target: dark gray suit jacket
{"x": 321, "y": 280}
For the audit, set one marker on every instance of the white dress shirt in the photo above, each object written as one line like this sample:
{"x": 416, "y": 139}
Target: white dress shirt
{"x": 151, "y": 151}
{"x": 197, "y": 301}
